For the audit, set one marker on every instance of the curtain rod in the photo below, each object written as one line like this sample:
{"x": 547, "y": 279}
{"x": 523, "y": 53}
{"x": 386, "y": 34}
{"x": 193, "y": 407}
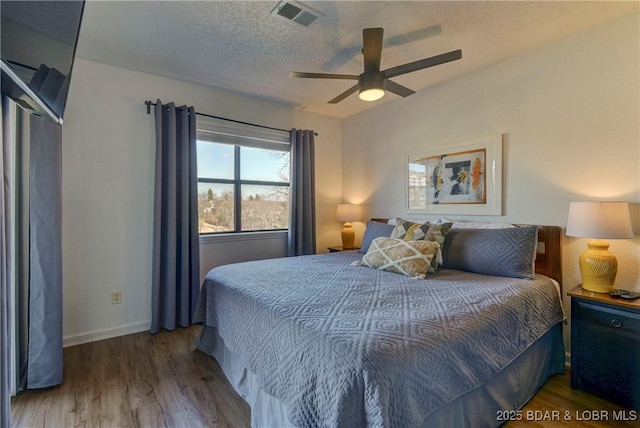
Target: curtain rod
{"x": 151, "y": 103}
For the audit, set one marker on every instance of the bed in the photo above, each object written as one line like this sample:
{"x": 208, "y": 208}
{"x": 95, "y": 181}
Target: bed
{"x": 319, "y": 341}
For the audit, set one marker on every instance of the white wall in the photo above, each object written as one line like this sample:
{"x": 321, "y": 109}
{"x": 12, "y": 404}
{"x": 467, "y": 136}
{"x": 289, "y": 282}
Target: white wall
{"x": 108, "y": 179}
{"x": 569, "y": 114}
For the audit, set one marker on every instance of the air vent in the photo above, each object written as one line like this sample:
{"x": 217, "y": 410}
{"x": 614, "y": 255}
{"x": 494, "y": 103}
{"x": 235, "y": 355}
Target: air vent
{"x": 293, "y": 11}
{"x": 289, "y": 11}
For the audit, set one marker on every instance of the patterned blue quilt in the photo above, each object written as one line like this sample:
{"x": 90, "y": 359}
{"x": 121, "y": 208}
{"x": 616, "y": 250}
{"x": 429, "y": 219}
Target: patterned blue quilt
{"x": 345, "y": 346}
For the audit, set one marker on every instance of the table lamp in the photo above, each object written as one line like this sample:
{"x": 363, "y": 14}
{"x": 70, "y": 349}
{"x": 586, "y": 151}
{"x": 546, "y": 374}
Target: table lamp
{"x": 599, "y": 220}
{"x": 348, "y": 213}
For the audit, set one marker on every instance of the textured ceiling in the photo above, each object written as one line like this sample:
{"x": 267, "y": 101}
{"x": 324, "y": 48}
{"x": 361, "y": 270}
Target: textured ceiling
{"x": 240, "y": 46}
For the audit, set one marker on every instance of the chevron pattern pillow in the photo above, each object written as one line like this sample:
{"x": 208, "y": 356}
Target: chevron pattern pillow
{"x": 410, "y": 231}
{"x": 411, "y": 258}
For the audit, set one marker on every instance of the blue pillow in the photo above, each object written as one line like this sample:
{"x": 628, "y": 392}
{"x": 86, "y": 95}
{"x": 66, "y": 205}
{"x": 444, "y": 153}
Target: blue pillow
{"x": 374, "y": 230}
{"x": 500, "y": 252}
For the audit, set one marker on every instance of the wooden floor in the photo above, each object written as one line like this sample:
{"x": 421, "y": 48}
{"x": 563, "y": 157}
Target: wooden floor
{"x": 139, "y": 380}
{"x": 142, "y": 380}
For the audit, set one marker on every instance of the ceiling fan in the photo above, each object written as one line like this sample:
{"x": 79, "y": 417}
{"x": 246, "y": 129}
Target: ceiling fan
{"x": 373, "y": 83}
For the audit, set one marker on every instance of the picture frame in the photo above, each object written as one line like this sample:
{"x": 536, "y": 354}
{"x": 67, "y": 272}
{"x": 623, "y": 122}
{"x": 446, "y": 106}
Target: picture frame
{"x": 462, "y": 178}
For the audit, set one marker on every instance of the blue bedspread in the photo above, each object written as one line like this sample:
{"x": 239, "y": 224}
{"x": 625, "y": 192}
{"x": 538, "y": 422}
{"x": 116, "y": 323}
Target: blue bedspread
{"x": 345, "y": 346}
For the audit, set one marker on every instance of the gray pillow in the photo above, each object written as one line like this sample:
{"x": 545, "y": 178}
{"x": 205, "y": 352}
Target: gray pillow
{"x": 374, "y": 230}
{"x": 500, "y": 252}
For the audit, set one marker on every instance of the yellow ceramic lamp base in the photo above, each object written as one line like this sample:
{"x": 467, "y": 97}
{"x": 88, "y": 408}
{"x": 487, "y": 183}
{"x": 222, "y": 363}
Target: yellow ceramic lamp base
{"x": 598, "y": 267}
{"x": 348, "y": 237}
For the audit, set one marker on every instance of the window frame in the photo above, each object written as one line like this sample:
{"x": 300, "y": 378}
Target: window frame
{"x": 238, "y": 136}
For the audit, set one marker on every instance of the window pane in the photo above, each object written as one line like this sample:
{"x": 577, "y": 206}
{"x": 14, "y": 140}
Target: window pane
{"x": 264, "y": 165}
{"x": 215, "y": 208}
{"x": 215, "y": 160}
{"x": 417, "y": 185}
{"x": 265, "y": 207}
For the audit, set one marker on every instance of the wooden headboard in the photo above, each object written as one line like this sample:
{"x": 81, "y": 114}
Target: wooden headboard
{"x": 549, "y": 255}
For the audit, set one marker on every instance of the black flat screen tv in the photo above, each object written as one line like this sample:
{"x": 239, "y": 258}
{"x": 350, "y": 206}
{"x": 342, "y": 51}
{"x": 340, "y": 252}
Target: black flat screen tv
{"x": 39, "y": 40}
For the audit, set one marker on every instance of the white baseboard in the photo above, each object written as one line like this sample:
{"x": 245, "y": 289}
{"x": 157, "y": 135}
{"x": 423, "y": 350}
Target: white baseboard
{"x": 106, "y": 333}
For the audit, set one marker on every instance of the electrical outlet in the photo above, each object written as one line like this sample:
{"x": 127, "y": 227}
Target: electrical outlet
{"x": 116, "y": 297}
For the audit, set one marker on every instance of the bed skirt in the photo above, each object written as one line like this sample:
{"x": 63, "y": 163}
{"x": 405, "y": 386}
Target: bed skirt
{"x": 483, "y": 406}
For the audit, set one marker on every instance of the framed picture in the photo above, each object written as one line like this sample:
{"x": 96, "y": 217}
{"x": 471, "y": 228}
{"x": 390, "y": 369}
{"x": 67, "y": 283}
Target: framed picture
{"x": 461, "y": 178}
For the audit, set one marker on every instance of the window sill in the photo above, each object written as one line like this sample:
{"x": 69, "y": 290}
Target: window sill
{"x": 243, "y": 236}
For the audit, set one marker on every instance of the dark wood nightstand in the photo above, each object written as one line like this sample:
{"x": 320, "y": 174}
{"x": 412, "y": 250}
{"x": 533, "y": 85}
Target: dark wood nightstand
{"x": 339, "y": 248}
{"x": 605, "y": 346}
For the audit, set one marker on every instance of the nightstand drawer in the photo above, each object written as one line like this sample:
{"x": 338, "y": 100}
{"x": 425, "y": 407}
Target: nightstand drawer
{"x": 605, "y": 348}
{"x": 609, "y": 317}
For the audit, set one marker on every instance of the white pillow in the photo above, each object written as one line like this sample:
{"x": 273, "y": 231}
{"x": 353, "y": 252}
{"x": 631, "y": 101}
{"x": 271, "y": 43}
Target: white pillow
{"x": 478, "y": 225}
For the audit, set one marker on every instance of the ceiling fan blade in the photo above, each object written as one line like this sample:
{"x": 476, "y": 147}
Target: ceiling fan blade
{"x": 345, "y": 94}
{"x": 372, "y": 49}
{"x": 322, "y": 75}
{"x": 344, "y": 55}
{"x": 423, "y": 63}
{"x": 397, "y": 89}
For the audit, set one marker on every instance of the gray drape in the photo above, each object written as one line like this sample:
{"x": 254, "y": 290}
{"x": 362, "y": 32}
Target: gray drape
{"x": 176, "y": 245}
{"x": 302, "y": 202}
{"x": 5, "y": 264}
{"x": 44, "y": 367}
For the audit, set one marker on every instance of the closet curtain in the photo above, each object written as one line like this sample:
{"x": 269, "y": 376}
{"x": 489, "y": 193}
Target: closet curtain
{"x": 302, "y": 218}
{"x": 44, "y": 359}
{"x": 176, "y": 245}
{"x": 5, "y": 265}
{"x": 33, "y": 312}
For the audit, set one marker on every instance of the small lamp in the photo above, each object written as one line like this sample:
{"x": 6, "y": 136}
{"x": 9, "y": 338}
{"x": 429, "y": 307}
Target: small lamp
{"x": 600, "y": 220}
{"x": 348, "y": 213}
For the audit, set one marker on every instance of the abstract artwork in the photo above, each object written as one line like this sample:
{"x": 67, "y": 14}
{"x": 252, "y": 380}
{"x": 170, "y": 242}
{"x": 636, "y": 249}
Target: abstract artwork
{"x": 463, "y": 178}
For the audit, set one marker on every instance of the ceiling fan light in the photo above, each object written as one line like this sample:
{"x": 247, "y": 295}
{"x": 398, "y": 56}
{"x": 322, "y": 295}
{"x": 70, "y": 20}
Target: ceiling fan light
{"x": 371, "y": 94}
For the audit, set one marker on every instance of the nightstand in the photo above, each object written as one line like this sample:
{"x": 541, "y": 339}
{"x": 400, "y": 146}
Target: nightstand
{"x": 339, "y": 248}
{"x": 605, "y": 346}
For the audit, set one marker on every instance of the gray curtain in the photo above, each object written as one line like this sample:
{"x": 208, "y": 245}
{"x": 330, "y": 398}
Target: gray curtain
{"x": 5, "y": 265}
{"x": 44, "y": 365}
{"x": 176, "y": 245}
{"x": 302, "y": 202}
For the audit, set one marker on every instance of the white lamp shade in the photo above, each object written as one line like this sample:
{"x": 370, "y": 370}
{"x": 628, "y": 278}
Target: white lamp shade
{"x": 600, "y": 220}
{"x": 348, "y": 212}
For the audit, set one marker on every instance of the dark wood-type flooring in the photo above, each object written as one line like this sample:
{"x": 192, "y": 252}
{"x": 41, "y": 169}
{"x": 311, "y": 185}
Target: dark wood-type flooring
{"x": 144, "y": 380}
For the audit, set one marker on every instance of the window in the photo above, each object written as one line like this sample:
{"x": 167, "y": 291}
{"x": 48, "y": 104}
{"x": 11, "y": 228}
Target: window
{"x": 243, "y": 179}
